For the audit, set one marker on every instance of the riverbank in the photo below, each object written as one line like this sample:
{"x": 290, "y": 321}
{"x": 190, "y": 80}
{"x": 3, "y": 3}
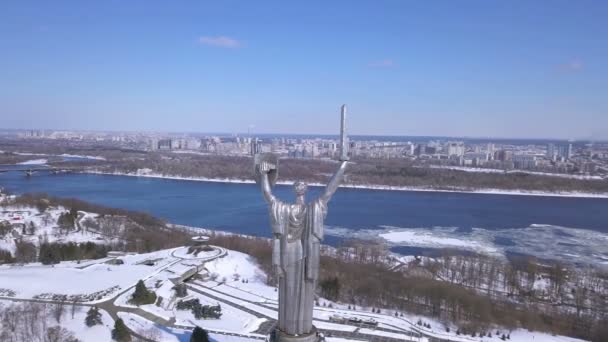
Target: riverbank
{"x": 369, "y": 186}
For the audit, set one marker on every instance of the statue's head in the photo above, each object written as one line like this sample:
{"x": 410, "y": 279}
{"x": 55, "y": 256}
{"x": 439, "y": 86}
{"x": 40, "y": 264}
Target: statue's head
{"x": 300, "y": 188}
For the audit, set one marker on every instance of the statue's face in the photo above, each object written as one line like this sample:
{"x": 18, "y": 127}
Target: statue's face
{"x": 300, "y": 188}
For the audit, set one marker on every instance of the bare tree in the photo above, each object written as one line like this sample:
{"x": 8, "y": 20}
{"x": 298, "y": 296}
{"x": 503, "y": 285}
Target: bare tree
{"x": 74, "y": 308}
{"x": 58, "y": 309}
{"x": 59, "y": 334}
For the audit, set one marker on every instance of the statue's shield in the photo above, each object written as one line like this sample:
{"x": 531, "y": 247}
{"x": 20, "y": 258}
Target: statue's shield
{"x": 271, "y": 159}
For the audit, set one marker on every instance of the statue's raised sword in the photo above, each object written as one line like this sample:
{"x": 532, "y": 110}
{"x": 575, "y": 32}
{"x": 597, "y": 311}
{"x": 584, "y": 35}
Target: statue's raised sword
{"x": 343, "y": 136}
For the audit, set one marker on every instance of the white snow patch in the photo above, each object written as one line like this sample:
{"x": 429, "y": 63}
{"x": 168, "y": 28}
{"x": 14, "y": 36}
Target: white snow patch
{"x": 437, "y": 238}
{"x": 34, "y": 162}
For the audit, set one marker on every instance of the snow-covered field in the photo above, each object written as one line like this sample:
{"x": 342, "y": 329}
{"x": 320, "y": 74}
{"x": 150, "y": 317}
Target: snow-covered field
{"x": 69, "y": 278}
{"x": 151, "y": 330}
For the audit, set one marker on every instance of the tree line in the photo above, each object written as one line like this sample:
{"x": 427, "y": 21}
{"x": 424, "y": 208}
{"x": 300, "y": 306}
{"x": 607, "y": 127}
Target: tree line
{"x": 391, "y": 172}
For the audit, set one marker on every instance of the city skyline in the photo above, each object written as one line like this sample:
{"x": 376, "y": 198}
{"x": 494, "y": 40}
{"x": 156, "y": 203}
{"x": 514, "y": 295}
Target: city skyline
{"x": 471, "y": 69}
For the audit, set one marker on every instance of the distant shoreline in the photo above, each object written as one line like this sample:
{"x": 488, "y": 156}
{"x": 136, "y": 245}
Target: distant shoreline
{"x": 368, "y": 187}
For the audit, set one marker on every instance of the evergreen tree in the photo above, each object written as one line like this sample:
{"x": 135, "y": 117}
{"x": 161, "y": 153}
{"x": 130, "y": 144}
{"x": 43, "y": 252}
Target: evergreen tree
{"x": 141, "y": 295}
{"x": 93, "y": 317}
{"x": 180, "y": 290}
{"x": 65, "y": 221}
{"x": 49, "y": 254}
{"x": 330, "y": 288}
{"x": 120, "y": 332}
{"x": 199, "y": 335}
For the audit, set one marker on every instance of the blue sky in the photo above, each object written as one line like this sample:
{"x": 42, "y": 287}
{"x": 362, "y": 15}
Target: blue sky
{"x": 461, "y": 68}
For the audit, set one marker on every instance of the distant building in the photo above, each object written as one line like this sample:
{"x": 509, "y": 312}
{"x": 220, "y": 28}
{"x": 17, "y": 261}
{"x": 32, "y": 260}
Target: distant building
{"x": 255, "y": 147}
{"x": 564, "y": 152}
{"x": 551, "y": 152}
{"x": 177, "y": 144}
{"x": 422, "y": 149}
{"x": 164, "y": 144}
{"x": 475, "y": 159}
{"x": 524, "y": 161}
{"x": 192, "y": 144}
{"x": 503, "y": 155}
{"x": 490, "y": 151}
{"x": 455, "y": 148}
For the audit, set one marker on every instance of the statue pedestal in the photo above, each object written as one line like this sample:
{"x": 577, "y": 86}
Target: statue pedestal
{"x": 280, "y": 336}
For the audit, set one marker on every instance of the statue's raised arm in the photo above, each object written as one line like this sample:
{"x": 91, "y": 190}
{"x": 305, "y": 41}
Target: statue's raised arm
{"x": 334, "y": 182}
{"x": 338, "y": 177}
{"x": 265, "y": 168}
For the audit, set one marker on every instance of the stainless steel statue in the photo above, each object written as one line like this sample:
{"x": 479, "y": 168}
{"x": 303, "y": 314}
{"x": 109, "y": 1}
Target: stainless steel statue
{"x": 298, "y": 231}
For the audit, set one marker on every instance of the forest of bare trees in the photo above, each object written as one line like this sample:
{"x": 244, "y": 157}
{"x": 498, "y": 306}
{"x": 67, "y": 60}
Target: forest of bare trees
{"x": 31, "y": 321}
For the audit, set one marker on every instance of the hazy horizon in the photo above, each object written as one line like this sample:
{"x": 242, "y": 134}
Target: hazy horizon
{"x": 282, "y": 134}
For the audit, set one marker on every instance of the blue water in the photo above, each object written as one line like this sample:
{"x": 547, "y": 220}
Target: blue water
{"x": 240, "y": 208}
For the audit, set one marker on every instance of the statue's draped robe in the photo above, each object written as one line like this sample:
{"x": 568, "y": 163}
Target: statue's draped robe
{"x": 298, "y": 231}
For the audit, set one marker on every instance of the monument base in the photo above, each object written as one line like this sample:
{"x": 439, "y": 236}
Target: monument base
{"x": 279, "y": 336}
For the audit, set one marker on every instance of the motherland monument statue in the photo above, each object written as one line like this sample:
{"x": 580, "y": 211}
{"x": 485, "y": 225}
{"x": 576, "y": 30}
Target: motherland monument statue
{"x": 297, "y": 231}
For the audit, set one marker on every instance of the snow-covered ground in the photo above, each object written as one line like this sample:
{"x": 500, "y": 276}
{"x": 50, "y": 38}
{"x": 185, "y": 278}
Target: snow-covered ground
{"x": 81, "y": 156}
{"x": 150, "y": 329}
{"x": 82, "y": 331}
{"x": 69, "y": 278}
{"x": 75, "y": 324}
{"x": 43, "y": 227}
{"x": 232, "y": 319}
{"x": 236, "y": 267}
{"x": 534, "y": 336}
